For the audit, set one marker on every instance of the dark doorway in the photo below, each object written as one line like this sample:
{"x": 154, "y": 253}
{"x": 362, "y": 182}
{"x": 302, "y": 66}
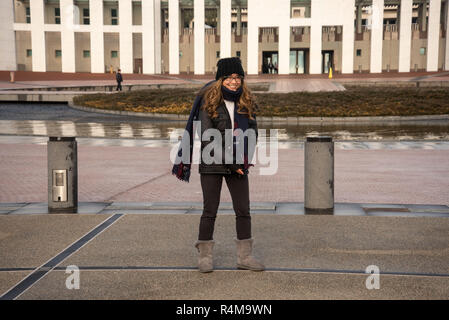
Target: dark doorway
{"x": 327, "y": 61}
{"x": 269, "y": 62}
{"x": 137, "y": 65}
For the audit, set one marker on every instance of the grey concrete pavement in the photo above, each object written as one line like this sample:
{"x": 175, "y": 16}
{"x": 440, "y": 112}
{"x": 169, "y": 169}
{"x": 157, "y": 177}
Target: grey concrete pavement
{"x": 307, "y": 257}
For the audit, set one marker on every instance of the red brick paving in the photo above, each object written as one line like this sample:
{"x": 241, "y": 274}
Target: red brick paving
{"x": 139, "y": 174}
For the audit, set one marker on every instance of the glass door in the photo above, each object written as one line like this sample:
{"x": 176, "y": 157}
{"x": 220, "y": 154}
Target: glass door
{"x": 297, "y": 62}
{"x": 327, "y": 61}
{"x": 292, "y": 61}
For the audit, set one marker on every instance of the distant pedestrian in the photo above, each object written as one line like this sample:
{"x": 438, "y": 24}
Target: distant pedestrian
{"x": 119, "y": 79}
{"x": 270, "y": 67}
{"x": 223, "y": 105}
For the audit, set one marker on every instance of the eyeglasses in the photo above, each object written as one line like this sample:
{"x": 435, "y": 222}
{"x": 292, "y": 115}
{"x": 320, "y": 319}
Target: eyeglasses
{"x": 237, "y": 79}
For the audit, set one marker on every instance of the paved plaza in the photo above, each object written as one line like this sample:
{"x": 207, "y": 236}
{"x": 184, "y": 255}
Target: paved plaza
{"x": 136, "y": 225}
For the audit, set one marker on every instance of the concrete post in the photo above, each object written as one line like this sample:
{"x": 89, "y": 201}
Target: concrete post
{"x": 62, "y": 162}
{"x": 319, "y": 175}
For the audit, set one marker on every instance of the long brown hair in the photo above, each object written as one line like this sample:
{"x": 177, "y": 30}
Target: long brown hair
{"x": 212, "y": 97}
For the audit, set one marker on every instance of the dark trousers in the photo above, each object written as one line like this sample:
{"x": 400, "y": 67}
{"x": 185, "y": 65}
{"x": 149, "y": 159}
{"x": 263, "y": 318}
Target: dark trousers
{"x": 119, "y": 86}
{"x": 239, "y": 189}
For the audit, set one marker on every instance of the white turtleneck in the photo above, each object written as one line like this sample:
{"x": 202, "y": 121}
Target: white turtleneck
{"x": 230, "y": 107}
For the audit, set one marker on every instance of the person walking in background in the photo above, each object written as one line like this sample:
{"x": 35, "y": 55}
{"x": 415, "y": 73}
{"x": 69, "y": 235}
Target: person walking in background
{"x": 225, "y": 103}
{"x": 119, "y": 79}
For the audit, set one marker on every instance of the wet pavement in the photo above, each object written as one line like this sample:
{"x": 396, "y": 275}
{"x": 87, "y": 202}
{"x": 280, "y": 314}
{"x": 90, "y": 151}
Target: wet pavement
{"x": 60, "y": 120}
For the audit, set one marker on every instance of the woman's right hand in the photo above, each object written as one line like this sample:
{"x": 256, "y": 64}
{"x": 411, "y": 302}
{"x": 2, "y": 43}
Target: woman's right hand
{"x": 239, "y": 171}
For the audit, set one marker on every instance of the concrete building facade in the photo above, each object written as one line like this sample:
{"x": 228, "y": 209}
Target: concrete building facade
{"x": 189, "y": 36}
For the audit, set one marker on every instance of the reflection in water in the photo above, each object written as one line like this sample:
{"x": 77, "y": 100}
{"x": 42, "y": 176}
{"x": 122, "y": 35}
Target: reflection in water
{"x": 292, "y": 144}
{"x": 407, "y": 131}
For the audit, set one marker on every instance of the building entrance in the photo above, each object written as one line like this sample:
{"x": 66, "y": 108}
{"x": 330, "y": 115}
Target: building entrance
{"x": 298, "y": 58}
{"x": 269, "y": 62}
{"x": 327, "y": 61}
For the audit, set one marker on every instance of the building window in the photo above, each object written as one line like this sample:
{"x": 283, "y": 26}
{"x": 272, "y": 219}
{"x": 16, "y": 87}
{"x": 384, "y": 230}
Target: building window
{"x": 57, "y": 16}
{"x": 86, "y": 53}
{"x": 422, "y": 51}
{"x": 29, "y": 52}
{"x": 218, "y": 54}
{"x": 359, "y": 52}
{"x": 114, "y": 18}
{"x": 114, "y": 54}
{"x": 86, "y": 16}
{"x": 28, "y": 14}
{"x": 58, "y": 53}
{"x": 238, "y": 54}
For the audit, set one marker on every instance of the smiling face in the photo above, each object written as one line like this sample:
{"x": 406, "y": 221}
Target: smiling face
{"x": 232, "y": 82}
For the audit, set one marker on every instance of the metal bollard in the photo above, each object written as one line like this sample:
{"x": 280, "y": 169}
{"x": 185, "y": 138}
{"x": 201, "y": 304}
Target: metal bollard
{"x": 319, "y": 175}
{"x": 62, "y": 158}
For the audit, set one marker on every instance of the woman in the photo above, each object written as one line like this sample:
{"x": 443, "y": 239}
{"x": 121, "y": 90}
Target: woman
{"x": 225, "y": 103}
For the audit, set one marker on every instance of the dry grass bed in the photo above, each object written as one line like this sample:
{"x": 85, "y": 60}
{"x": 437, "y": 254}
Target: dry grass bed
{"x": 355, "y": 101}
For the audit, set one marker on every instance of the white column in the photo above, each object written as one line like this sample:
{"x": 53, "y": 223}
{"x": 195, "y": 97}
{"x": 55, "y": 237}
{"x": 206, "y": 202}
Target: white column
{"x": 446, "y": 58}
{"x": 405, "y": 35}
{"x": 7, "y": 39}
{"x": 433, "y": 35}
{"x": 377, "y": 36}
{"x": 198, "y": 17}
{"x": 225, "y": 29}
{"x": 253, "y": 39}
{"x": 347, "y": 61}
{"x": 38, "y": 35}
{"x": 157, "y": 36}
{"x": 284, "y": 48}
{"x": 148, "y": 34}
{"x": 173, "y": 34}
{"x": 126, "y": 35}
{"x": 315, "y": 47}
{"x": 96, "y": 37}
{"x": 67, "y": 35}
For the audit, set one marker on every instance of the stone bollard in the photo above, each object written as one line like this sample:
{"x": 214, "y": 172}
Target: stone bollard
{"x": 62, "y": 161}
{"x": 319, "y": 175}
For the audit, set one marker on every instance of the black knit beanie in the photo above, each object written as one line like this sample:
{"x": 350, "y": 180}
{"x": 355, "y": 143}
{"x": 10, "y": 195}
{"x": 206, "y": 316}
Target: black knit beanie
{"x": 228, "y": 66}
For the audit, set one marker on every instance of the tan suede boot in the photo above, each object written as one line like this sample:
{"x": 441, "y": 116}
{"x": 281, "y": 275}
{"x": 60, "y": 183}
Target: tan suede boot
{"x": 205, "y": 263}
{"x": 245, "y": 260}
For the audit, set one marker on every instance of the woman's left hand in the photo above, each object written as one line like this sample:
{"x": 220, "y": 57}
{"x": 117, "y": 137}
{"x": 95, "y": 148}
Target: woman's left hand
{"x": 239, "y": 171}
